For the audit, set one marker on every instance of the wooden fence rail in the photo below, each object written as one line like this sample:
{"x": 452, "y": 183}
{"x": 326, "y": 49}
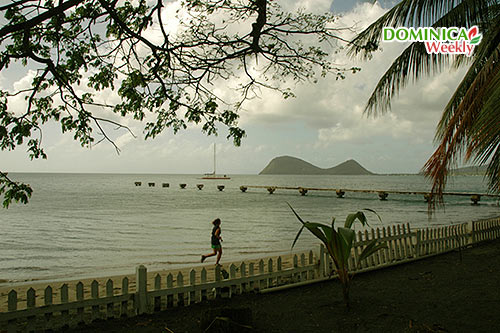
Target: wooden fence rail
{"x": 168, "y": 291}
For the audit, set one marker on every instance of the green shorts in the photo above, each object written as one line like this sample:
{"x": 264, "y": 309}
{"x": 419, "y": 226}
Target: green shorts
{"x": 218, "y": 246}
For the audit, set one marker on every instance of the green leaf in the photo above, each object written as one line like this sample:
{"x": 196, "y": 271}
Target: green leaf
{"x": 312, "y": 227}
{"x": 338, "y": 248}
{"x": 348, "y": 239}
{"x": 297, "y": 237}
{"x": 297, "y": 215}
{"x": 374, "y": 212}
{"x": 351, "y": 218}
{"x": 371, "y": 248}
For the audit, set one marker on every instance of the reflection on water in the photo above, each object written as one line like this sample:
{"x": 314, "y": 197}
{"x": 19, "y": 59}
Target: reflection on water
{"x": 95, "y": 225}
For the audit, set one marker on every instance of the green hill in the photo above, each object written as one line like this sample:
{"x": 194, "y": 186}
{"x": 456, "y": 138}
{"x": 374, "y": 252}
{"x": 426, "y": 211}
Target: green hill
{"x": 287, "y": 165}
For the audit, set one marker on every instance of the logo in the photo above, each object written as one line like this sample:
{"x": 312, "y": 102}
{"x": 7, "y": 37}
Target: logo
{"x": 442, "y": 40}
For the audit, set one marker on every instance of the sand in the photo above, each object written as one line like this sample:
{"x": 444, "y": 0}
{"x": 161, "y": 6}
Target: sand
{"x": 209, "y": 265}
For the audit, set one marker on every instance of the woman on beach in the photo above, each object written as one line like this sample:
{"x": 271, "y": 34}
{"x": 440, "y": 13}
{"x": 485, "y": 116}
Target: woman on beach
{"x": 215, "y": 241}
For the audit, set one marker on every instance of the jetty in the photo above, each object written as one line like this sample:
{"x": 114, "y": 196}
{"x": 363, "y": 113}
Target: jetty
{"x": 382, "y": 194}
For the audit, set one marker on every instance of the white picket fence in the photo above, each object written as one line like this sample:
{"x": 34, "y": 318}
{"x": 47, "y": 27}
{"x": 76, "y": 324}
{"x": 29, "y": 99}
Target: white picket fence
{"x": 169, "y": 291}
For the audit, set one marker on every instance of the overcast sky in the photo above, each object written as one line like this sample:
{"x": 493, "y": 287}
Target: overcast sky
{"x": 323, "y": 125}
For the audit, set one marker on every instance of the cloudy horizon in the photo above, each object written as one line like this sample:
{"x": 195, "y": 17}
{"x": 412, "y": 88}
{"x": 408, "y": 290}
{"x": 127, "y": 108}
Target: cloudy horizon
{"x": 324, "y": 125}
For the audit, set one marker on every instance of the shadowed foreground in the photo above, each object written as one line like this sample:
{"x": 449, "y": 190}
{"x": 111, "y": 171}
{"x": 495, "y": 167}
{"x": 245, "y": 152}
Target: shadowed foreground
{"x": 439, "y": 294}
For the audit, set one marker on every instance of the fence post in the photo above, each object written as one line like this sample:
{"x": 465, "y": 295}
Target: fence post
{"x": 203, "y": 280}
{"x": 180, "y": 283}
{"x": 30, "y": 304}
{"x": 124, "y": 305}
{"x": 233, "y": 290}
{"x": 218, "y": 278}
{"x": 12, "y": 306}
{"x": 417, "y": 244}
{"x": 251, "y": 273}
{"x": 94, "y": 294}
{"x": 243, "y": 274}
{"x": 64, "y": 299}
{"x": 110, "y": 293}
{"x": 192, "y": 282}
{"x": 270, "y": 270}
{"x": 310, "y": 273}
{"x": 141, "y": 291}
{"x": 48, "y": 300}
{"x": 157, "y": 299}
{"x": 321, "y": 267}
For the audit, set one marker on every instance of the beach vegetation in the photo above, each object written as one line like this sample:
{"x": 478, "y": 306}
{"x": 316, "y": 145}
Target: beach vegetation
{"x": 469, "y": 125}
{"x": 94, "y": 66}
{"x": 339, "y": 243}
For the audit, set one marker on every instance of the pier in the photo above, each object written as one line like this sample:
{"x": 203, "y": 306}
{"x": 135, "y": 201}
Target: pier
{"x": 382, "y": 194}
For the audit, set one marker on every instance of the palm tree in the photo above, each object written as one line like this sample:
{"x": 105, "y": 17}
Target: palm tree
{"x": 470, "y": 124}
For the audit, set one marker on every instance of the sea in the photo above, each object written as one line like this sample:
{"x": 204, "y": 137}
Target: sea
{"x": 98, "y": 225}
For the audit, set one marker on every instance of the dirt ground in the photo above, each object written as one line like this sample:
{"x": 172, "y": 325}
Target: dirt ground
{"x": 438, "y": 294}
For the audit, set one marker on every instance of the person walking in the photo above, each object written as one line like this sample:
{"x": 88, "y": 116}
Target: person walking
{"x": 215, "y": 242}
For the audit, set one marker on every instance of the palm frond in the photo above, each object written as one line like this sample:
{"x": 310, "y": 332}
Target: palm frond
{"x": 484, "y": 143}
{"x": 415, "y": 62}
{"x": 456, "y": 136}
{"x": 411, "y": 64}
{"x": 485, "y": 50}
{"x": 417, "y": 13}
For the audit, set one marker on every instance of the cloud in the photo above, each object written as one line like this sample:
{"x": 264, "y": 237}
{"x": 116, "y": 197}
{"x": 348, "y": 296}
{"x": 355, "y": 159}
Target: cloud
{"x": 325, "y": 124}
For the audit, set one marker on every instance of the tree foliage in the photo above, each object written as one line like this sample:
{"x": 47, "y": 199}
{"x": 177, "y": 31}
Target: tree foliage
{"x": 76, "y": 51}
{"x": 469, "y": 126}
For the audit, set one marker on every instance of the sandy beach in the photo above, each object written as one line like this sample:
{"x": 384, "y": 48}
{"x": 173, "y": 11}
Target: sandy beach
{"x": 21, "y": 289}
{"x": 438, "y": 294}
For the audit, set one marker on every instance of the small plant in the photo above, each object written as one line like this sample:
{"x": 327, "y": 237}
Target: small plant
{"x": 339, "y": 244}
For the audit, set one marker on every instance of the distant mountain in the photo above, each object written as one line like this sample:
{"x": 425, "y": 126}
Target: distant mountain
{"x": 287, "y": 165}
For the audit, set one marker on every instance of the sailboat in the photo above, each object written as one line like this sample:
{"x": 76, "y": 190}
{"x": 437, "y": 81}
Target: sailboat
{"x": 213, "y": 175}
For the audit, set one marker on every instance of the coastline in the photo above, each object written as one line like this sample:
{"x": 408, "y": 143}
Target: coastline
{"x": 39, "y": 286}
{"x": 451, "y": 292}
{"x": 80, "y": 225}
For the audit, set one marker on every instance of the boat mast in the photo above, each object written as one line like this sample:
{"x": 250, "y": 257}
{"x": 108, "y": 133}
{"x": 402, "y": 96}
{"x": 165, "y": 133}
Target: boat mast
{"x": 214, "y": 159}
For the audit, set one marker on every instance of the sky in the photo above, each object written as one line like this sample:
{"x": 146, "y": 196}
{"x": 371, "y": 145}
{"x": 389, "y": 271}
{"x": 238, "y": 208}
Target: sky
{"x": 324, "y": 125}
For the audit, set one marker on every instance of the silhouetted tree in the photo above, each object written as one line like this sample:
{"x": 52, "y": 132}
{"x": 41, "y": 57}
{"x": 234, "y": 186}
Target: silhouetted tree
{"x": 73, "y": 50}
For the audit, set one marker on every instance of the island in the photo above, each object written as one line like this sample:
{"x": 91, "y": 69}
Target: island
{"x": 288, "y": 165}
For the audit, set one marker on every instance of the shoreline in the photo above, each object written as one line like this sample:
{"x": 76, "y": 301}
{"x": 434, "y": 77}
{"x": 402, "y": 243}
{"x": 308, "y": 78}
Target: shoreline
{"x": 129, "y": 271}
{"x": 403, "y": 247}
{"x": 40, "y": 285}
{"x": 451, "y": 292}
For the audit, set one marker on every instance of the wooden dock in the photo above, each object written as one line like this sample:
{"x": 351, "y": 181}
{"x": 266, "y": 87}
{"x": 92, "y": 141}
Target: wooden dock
{"x": 382, "y": 194}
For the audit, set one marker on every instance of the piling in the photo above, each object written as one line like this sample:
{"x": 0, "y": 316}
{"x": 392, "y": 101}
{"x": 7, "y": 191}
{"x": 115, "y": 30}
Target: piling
{"x": 475, "y": 199}
{"x": 383, "y": 195}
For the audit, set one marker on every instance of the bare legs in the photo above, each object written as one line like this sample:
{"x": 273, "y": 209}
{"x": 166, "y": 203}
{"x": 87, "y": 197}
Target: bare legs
{"x": 218, "y": 255}
{"x": 217, "y": 252}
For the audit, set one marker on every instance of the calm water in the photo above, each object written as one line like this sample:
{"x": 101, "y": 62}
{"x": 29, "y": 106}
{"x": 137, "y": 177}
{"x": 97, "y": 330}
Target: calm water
{"x": 90, "y": 225}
